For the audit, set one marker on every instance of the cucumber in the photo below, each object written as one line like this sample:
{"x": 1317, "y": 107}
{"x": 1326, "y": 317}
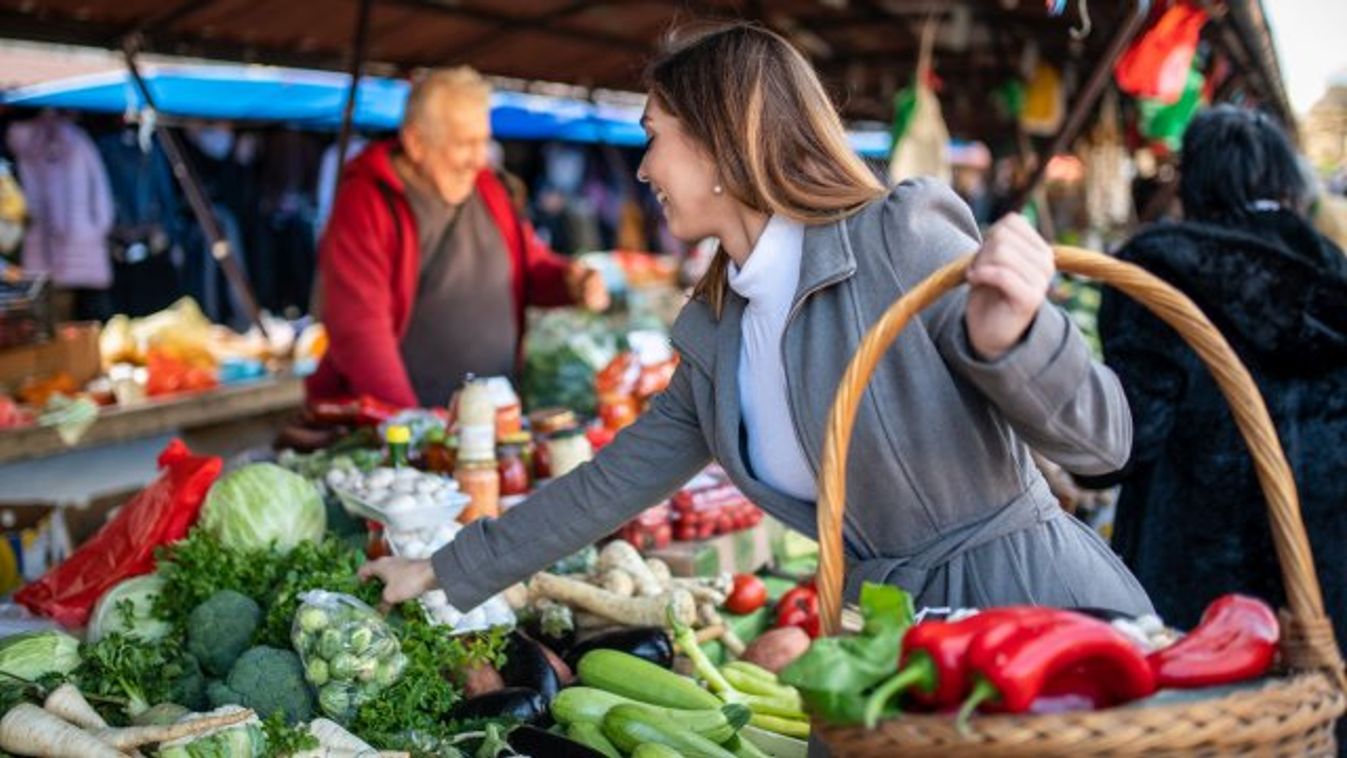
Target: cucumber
{"x": 654, "y": 750}
{"x": 577, "y": 705}
{"x": 742, "y": 747}
{"x": 628, "y": 726}
{"x": 591, "y": 736}
{"x": 641, "y": 680}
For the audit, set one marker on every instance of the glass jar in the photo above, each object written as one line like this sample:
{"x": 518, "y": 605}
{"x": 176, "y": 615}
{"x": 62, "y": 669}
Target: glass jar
{"x": 514, "y": 472}
{"x": 567, "y": 450}
{"x": 476, "y": 422}
{"x": 481, "y": 483}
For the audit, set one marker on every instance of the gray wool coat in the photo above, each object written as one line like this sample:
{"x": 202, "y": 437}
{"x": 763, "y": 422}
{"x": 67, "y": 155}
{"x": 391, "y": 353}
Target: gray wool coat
{"x": 943, "y": 498}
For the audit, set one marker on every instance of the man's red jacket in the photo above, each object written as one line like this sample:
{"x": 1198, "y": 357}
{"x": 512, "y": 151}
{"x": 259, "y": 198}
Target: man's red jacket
{"x": 369, "y": 262}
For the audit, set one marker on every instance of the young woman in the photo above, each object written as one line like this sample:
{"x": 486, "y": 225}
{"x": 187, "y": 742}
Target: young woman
{"x": 943, "y": 497}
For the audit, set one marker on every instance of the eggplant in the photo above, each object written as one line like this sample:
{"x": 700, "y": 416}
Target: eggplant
{"x": 527, "y": 666}
{"x": 650, "y": 643}
{"x": 519, "y": 703}
{"x": 530, "y": 740}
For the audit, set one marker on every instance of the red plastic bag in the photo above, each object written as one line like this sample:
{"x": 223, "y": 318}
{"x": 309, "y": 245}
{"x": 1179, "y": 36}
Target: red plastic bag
{"x": 1156, "y": 65}
{"x": 158, "y": 515}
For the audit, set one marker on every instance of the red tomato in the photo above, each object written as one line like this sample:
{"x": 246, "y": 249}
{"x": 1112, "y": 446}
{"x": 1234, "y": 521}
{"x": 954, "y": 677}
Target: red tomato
{"x": 748, "y": 595}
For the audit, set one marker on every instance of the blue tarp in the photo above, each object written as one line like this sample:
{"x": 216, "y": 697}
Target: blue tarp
{"x": 315, "y": 100}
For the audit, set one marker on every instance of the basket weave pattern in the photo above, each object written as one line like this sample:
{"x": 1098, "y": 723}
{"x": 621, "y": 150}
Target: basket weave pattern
{"x": 1287, "y": 716}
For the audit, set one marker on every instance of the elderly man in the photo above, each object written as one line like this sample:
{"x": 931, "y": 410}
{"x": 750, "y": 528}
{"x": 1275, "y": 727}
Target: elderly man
{"x": 426, "y": 267}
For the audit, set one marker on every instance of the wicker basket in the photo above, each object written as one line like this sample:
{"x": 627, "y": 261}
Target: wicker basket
{"x": 1292, "y": 714}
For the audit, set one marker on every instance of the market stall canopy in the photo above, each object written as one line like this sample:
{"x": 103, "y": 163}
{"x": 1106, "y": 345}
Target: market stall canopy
{"x": 314, "y": 100}
{"x": 865, "y": 48}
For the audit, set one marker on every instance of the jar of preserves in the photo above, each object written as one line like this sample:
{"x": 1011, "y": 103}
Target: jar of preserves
{"x": 567, "y": 450}
{"x": 481, "y": 483}
{"x": 476, "y": 422}
{"x": 514, "y": 472}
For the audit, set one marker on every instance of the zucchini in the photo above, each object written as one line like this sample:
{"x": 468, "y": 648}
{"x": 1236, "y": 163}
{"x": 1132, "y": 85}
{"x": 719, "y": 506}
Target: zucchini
{"x": 591, "y": 736}
{"x": 577, "y": 705}
{"x": 628, "y": 726}
{"x": 641, "y": 680}
{"x": 654, "y": 750}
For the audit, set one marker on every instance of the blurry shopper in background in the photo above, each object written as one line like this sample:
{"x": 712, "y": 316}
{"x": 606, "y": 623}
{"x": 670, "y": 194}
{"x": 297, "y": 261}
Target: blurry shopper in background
{"x": 1192, "y": 522}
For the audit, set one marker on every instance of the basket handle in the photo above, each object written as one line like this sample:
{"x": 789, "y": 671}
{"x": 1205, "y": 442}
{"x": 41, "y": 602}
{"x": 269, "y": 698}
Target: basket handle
{"x": 1307, "y": 634}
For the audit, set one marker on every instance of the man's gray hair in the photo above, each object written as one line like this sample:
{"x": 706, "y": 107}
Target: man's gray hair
{"x": 462, "y": 84}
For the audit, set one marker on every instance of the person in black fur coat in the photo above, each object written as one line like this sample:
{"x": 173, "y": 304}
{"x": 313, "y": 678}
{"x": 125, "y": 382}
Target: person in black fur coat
{"x": 1192, "y": 522}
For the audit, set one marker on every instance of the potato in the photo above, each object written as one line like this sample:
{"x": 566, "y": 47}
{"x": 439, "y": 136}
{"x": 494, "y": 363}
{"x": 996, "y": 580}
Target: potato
{"x": 479, "y": 680}
{"x": 776, "y": 649}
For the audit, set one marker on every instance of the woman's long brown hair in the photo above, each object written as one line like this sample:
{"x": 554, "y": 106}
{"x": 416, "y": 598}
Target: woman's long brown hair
{"x": 752, "y": 101}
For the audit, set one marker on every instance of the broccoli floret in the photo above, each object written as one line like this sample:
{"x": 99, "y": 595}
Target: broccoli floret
{"x": 219, "y": 694}
{"x": 220, "y": 629}
{"x": 189, "y": 686}
{"x": 269, "y": 680}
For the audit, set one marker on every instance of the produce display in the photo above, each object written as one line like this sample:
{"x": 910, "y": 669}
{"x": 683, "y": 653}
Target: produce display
{"x": 223, "y": 615}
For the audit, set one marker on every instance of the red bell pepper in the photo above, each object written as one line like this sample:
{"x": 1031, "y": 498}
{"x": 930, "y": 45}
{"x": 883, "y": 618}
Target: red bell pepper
{"x": 799, "y": 607}
{"x": 934, "y": 658}
{"x": 1235, "y": 640}
{"x": 1013, "y": 663}
{"x": 160, "y": 514}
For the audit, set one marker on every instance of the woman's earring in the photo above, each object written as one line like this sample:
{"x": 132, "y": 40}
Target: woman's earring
{"x": 717, "y": 190}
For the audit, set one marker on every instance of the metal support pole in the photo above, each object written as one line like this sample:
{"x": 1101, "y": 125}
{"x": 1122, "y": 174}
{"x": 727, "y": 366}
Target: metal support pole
{"x": 357, "y": 67}
{"x": 196, "y": 197}
{"x": 1085, "y": 101}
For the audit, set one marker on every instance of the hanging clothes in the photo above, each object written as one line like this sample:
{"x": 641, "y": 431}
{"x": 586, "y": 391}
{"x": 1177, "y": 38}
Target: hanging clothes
{"x": 69, "y": 202}
{"x": 148, "y": 226}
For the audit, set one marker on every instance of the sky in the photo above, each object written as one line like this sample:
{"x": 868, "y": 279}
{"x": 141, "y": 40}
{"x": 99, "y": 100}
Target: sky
{"x": 1311, "y": 40}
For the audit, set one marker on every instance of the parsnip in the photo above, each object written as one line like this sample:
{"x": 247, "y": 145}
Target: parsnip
{"x": 29, "y": 730}
{"x": 618, "y": 582}
{"x": 660, "y": 570}
{"x": 643, "y": 611}
{"x": 135, "y": 736}
{"x": 68, "y": 702}
{"x": 619, "y": 554}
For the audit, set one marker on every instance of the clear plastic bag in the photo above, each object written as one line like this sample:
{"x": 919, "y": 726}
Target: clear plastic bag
{"x": 349, "y": 653}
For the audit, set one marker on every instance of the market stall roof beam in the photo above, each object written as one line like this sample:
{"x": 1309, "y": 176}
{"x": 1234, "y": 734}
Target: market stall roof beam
{"x": 190, "y": 182}
{"x": 357, "y": 69}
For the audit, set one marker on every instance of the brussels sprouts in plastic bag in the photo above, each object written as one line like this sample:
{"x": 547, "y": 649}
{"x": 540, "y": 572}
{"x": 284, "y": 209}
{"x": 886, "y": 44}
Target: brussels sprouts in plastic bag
{"x": 349, "y": 653}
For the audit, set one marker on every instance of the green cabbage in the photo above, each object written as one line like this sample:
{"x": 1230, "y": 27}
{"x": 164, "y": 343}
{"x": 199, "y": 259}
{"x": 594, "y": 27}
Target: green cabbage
{"x": 262, "y": 504}
{"x": 128, "y": 608}
{"x": 32, "y": 655}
